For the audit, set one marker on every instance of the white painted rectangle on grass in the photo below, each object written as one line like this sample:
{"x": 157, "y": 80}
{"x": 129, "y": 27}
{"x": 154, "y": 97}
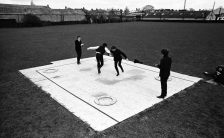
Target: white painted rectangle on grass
{"x": 77, "y": 87}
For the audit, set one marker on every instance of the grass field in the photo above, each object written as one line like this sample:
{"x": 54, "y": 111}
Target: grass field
{"x": 26, "y": 111}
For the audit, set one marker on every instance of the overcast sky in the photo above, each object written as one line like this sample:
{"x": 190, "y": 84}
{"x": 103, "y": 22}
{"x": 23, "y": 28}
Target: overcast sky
{"x": 121, "y": 4}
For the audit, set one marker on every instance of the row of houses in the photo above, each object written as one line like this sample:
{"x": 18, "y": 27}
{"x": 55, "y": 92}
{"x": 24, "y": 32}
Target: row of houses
{"x": 217, "y": 14}
{"x": 45, "y": 13}
{"x": 149, "y": 13}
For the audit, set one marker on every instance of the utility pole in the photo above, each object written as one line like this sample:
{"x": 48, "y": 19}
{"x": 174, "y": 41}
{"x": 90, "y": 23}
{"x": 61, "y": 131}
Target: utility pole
{"x": 32, "y": 3}
{"x": 219, "y": 13}
{"x": 185, "y": 4}
{"x": 184, "y": 9}
{"x": 213, "y": 10}
{"x": 213, "y": 6}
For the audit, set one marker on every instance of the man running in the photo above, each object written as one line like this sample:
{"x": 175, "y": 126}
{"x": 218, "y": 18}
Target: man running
{"x": 117, "y": 54}
{"x": 78, "y": 48}
{"x": 100, "y": 50}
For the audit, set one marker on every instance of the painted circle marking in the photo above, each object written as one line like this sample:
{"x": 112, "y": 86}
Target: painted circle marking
{"x": 105, "y": 100}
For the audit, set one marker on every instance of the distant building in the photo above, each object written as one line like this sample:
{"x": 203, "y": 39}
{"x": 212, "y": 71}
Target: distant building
{"x": 217, "y": 14}
{"x": 170, "y": 14}
{"x": 45, "y": 13}
{"x": 99, "y": 12}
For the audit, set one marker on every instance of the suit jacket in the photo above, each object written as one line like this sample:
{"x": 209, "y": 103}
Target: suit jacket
{"x": 78, "y": 46}
{"x": 165, "y": 66}
{"x": 117, "y": 54}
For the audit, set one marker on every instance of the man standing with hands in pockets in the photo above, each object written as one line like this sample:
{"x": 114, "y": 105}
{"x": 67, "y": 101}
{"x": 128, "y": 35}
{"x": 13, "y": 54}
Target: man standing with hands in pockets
{"x": 78, "y": 48}
{"x": 164, "y": 66}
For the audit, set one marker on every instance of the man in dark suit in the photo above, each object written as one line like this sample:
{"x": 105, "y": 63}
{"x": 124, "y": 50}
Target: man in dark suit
{"x": 117, "y": 54}
{"x": 164, "y": 66}
{"x": 78, "y": 48}
{"x": 100, "y": 50}
{"x": 218, "y": 75}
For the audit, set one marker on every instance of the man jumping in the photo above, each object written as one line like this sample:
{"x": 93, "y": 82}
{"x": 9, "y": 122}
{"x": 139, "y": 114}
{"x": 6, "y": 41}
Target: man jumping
{"x": 100, "y": 50}
{"x": 117, "y": 54}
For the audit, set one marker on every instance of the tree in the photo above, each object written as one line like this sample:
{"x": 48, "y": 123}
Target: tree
{"x": 191, "y": 9}
{"x": 112, "y": 12}
{"x": 31, "y": 20}
{"x": 111, "y": 15}
{"x": 121, "y": 15}
{"x": 126, "y": 11}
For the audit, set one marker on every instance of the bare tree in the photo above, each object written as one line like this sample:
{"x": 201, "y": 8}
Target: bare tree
{"x": 126, "y": 11}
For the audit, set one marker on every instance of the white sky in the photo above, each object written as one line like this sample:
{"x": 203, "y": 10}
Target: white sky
{"x": 121, "y": 4}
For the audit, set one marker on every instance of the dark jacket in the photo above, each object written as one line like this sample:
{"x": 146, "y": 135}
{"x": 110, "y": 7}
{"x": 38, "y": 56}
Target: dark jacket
{"x": 101, "y": 49}
{"x": 165, "y": 66}
{"x": 78, "y": 46}
{"x": 117, "y": 54}
{"x": 219, "y": 74}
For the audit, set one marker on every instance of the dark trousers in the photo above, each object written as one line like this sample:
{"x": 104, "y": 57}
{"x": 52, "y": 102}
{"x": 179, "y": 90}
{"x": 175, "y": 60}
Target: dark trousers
{"x": 163, "y": 81}
{"x": 118, "y": 62}
{"x": 79, "y": 54}
{"x": 99, "y": 59}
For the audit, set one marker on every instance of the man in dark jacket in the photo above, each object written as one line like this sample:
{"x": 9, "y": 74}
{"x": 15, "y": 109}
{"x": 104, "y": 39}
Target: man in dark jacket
{"x": 100, "y": 50}
{"x": 78, "y": 48}
{"x": 117, "y": 54}
{"x": 164, "y": 66}
{"x": 218, "y": 75}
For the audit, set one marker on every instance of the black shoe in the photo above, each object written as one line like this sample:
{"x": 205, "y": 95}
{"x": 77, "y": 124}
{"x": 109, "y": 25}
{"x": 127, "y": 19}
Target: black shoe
{"x": 162, "y": 97}
{"x": 99, "y": 71}
{"x": 117, "y": 74}
{"x": 78, "y": 63}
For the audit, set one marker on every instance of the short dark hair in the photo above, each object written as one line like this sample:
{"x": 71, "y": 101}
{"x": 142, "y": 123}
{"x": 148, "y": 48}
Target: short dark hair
{"x": 78, "y": 36}
{"x": 105, "y": 44}
{"x": 165, "y": 52}
{"x": 113, "y": 47}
